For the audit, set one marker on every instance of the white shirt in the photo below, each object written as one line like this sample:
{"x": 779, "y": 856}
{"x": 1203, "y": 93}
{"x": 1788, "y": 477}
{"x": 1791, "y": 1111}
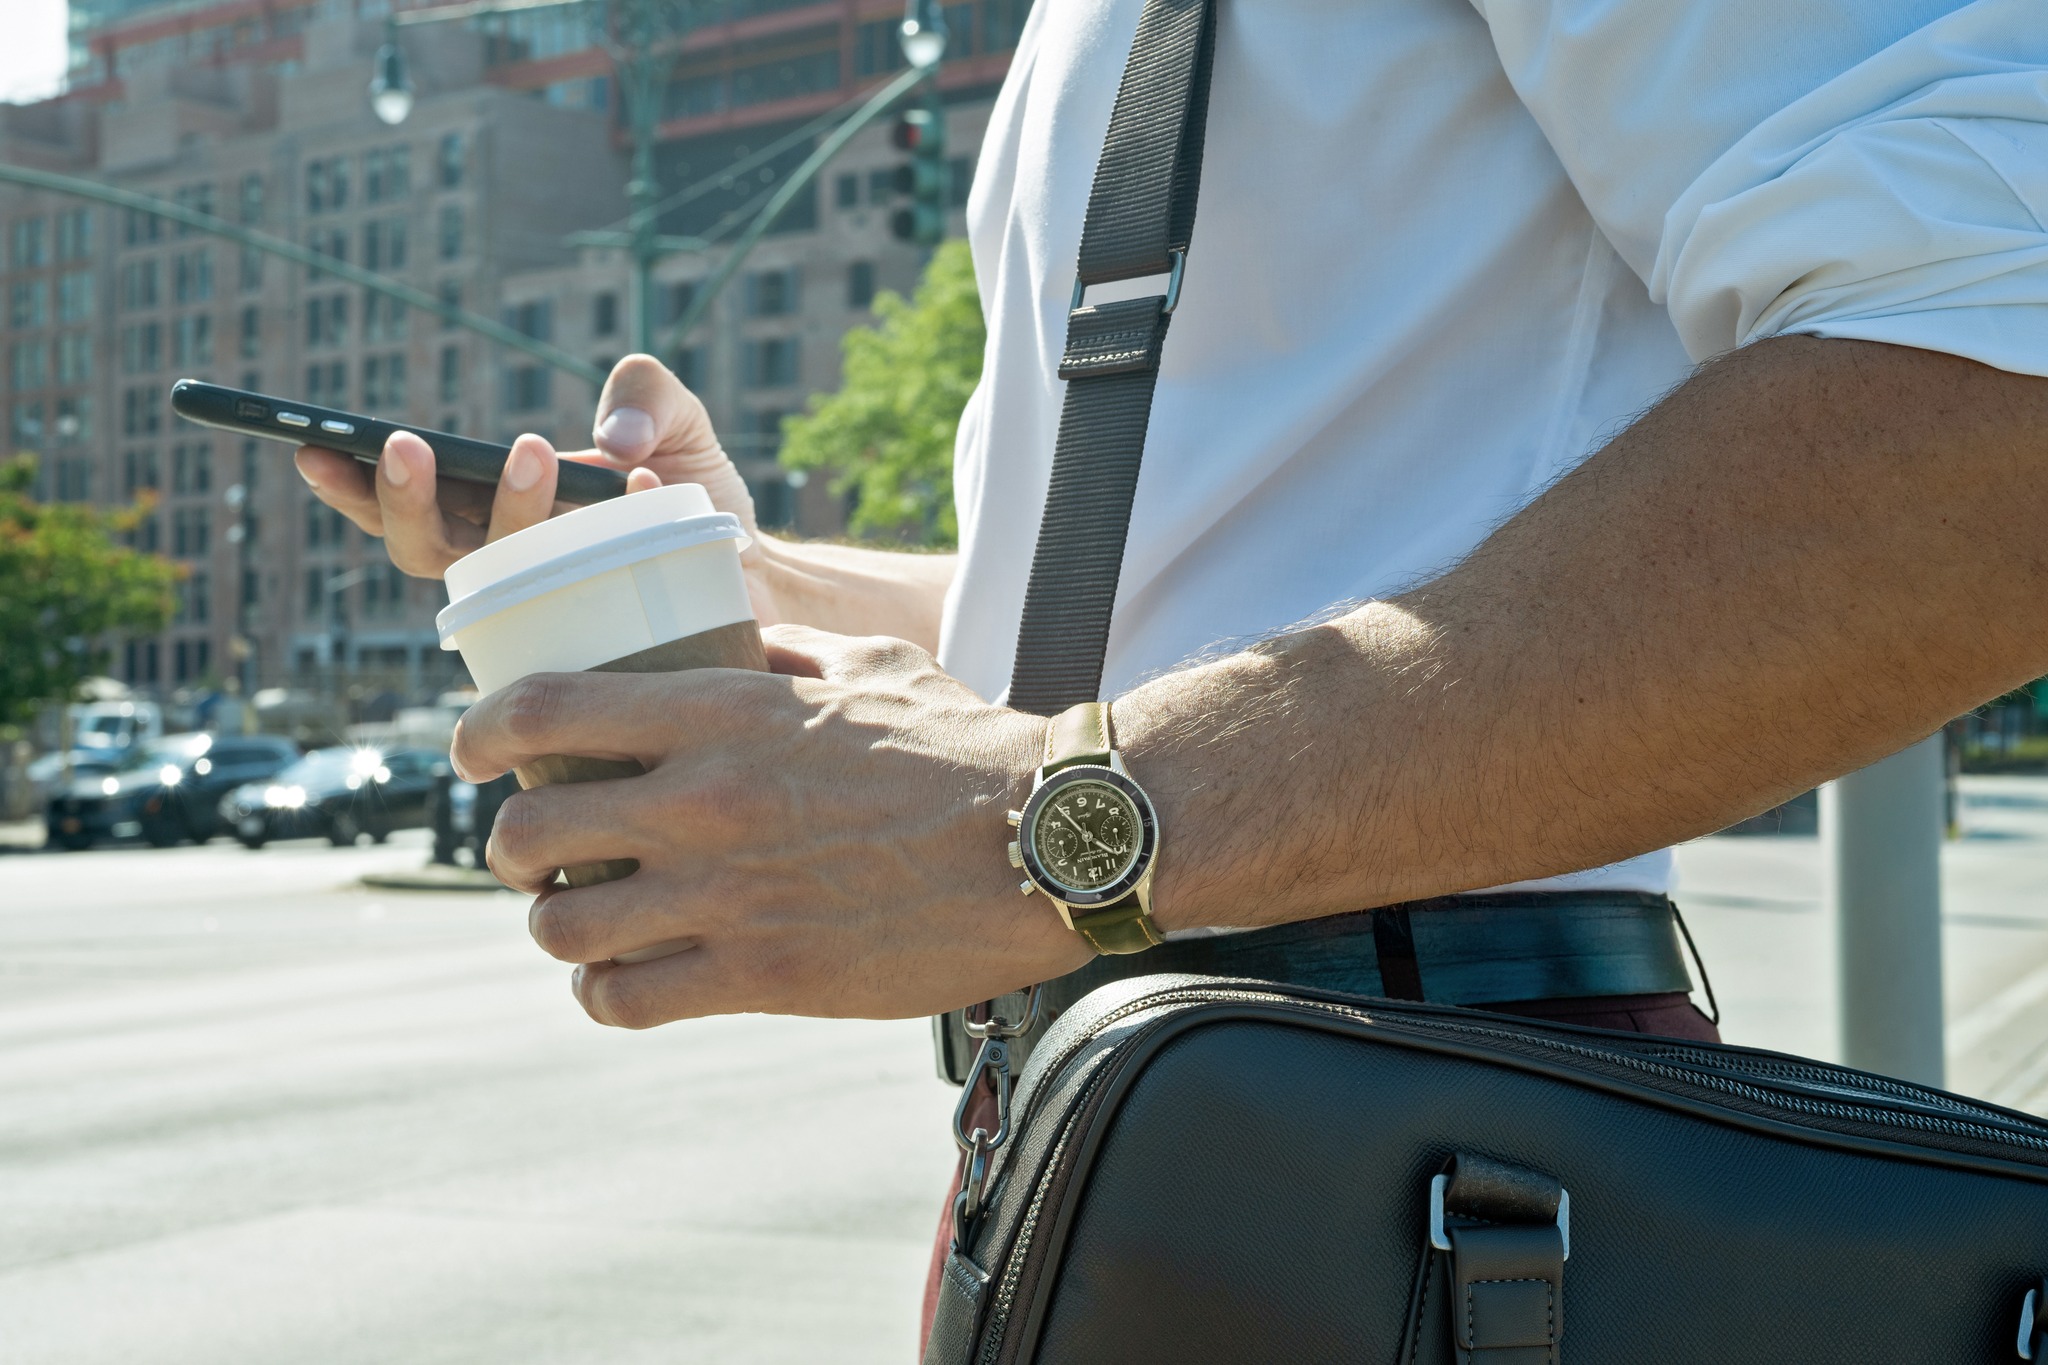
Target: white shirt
{"x": 1445, "y": 247}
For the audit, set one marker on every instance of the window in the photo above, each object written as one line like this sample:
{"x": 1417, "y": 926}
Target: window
{"x": 450, "y": 234}
{"x": 327, "y": 320}
{"x": 74, "y": 297}
{"x": 193, "y": 199}
{"x": 534, "y": 318}
{"x": 678, "y": 299}
{"x": 959, "y": 180}
{"x": 140, "y": 227}
{"x": 192, "y": 468}
{"x": 142, "y": 348}
{"x": 28, "y": 303}
{"x": 384, "y": 244}
{"x": 327, "y": 384}
{"x": 769, "y": 363}
{"x": 846, "y": 191}
{"x": 191, "y": 531}
{"x": 138, "y": 285}
{"x": 192, "y": 341}
{"x": 31, "y": 243}
{"x": 881, "y": 184}
{"x": 28, "y": 421}
{"x": 451, "y": 374}
{"x": 140, "y": 412}
{"x": 327, "y": 184}
{"x": 450, "y": 294}
{"x": 140, "y": 469}
{"x": 772, "y": 293}
{"x": 604, "y": 315}
{"x": 450, "y": 160}
{"x": 1001, "y": 22}
{"x": 384, "y": 381}
{"x": 74, "y": 235}
{"x": 878, "y": 48}
{"x": 329, "y": 242}
{"x": 74, "y": 358}
{"x": 761, "y": 432}
{"x": 251, "y": 344}
{"x": 324, "y": 525}
{"x": 250, "y": 274}
{"x": 249, "y": 207}
{"x": 28, "y": 365}
{"x": 74, "y": 480}
{"x": 860, "y": 285}
{"x": 527, "y": 387}
{"x": 74, "y": 418}
{"x": 387, "y": 174}
{"x": 384, "y": 318}
{"x": 383, "y": 591}
{"x": 192, "y": 276}
{"x": 688, "y": 364}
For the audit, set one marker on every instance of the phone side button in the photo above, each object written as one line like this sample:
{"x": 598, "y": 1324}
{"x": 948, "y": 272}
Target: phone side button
{"x": 338, "y": 428}
{"x": 294, "y": 419}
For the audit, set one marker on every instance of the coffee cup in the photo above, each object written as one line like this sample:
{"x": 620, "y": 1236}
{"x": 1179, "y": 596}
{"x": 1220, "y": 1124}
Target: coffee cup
{"x": 646, "y": 583}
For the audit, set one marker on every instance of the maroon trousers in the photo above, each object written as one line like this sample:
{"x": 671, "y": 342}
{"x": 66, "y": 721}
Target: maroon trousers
{"x": 1671, "y": 1015}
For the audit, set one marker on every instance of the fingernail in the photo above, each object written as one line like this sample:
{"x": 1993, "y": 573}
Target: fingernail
{"x": 306, "y": 474}
{"x": 625, "y": 430}
{"x": 396, "y": 472}
{"x": 522, "y": 469}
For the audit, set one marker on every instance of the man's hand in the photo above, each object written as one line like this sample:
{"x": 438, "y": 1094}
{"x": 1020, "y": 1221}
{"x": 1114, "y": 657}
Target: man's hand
{"x": 648, "y": 424}
{"x": 826, "y": 839}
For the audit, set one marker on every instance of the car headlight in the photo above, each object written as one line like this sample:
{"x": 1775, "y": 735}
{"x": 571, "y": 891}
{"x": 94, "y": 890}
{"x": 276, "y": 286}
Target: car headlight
{"x": 170, "y": 774}
{"x": 108, "y": 786}
{"x": 284, "y": 798}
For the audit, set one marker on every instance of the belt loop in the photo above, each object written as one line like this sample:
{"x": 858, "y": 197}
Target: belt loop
{"x": 1393, "y": 940}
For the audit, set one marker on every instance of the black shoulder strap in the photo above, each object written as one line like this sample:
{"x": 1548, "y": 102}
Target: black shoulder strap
{"x": 1141, "y": 213}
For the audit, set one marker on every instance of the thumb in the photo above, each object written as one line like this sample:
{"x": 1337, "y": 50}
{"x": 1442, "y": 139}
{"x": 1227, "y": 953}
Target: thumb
{"x": 800, "y": 651}
{"x": 645, "y": 410}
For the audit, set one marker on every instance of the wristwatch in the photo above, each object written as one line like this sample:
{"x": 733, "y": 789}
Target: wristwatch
{"x": 1088, "y": 838}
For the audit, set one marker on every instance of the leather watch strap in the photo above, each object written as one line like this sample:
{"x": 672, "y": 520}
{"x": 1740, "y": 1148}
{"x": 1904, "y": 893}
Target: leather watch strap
{"x": 1081, "y": 734}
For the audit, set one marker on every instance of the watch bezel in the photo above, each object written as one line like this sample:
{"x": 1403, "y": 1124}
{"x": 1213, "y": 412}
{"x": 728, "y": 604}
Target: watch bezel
{"x": 1148, "y": 836}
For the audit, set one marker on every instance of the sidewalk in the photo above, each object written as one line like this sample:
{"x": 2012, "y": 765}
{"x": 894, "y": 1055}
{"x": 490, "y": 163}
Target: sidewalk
{"x": 1756, "y": 906}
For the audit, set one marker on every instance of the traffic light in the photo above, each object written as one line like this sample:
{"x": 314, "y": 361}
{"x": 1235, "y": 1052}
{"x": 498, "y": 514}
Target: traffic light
{"x": 921, "y": 133}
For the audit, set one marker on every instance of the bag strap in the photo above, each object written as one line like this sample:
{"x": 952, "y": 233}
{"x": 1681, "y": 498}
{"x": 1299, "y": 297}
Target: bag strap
{"x": 1141, "y": 215}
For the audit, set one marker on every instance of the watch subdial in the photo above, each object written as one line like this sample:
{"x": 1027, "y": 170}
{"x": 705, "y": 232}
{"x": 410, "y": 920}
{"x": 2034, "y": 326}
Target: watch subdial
{"x": 1057, "y": 846}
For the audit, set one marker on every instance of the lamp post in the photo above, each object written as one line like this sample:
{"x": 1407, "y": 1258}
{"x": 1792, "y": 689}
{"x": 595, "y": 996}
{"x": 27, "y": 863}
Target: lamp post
{"x": 637, "y": 35}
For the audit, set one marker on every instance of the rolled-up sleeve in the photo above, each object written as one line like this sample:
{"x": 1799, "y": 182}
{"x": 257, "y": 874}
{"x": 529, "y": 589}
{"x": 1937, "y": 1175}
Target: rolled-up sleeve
{"x": 1875, "y": 169}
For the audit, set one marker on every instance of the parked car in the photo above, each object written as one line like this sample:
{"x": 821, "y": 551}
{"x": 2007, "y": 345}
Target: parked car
{"x": 165, "y": 790}
{"x": 341, "y": 793}
{"x": 47, "y": 778}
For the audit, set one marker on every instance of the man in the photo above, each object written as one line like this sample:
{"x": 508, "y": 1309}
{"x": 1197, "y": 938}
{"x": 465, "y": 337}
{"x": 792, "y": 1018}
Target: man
{"x": 1445, "y": 252}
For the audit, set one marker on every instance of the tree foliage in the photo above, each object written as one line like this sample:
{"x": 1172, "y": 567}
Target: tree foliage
{"x": 887, "y": 434}
{"x": 65, "y": 581}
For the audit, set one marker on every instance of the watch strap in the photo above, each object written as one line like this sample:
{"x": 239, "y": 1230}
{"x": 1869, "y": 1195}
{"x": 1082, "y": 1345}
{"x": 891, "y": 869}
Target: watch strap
{"x": 1079, "y": 734}
{"x": 1124, "y": 927}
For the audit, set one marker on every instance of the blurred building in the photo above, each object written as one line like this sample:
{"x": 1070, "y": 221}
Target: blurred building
{"x": 256, "y": 111}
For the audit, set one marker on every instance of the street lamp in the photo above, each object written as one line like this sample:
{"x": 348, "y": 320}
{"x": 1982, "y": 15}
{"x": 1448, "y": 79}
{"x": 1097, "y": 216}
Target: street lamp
{"x": 924, "y": 33}
{"x": 634, "y": 34}
{"x": 391, "y": 86}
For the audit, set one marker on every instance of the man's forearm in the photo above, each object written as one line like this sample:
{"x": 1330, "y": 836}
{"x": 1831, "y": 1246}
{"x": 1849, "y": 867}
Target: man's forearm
{"x": 851, "y": 590}
{"x": 1809, "y": 555}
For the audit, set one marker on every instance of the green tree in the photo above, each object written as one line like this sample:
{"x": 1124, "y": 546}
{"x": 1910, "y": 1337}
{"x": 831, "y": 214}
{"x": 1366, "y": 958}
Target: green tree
{"x": 887, "y": 434}
{"x": 65, "y": 581}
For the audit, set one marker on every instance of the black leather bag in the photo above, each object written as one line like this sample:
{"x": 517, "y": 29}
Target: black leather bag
{"x": 1207, "y": 1170}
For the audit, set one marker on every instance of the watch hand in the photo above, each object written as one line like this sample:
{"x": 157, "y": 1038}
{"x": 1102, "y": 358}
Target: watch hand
{"x": 1076, "y": 824}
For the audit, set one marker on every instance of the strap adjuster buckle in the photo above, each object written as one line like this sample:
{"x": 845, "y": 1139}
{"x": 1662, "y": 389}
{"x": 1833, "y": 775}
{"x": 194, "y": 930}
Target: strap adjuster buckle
{"x": 1173, "y": 274}
{"x": 1441, "y": 1240}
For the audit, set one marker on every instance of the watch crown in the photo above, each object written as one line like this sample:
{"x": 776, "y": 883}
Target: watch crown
{"x": 1016, "y": 853}
{"x": 1026, "y": 887}
{"x": 1015, "y": 817}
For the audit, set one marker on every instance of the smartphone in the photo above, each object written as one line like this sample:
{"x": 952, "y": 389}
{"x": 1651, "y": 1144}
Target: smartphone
{"x": 305, "y": 424}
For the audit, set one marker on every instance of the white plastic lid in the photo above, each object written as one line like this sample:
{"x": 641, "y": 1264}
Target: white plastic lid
{"x": 579, "y": 545}
{"x": 571, "y": 532}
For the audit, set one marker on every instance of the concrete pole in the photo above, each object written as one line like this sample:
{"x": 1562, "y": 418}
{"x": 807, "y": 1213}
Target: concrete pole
{"x": 1882, "y": 831}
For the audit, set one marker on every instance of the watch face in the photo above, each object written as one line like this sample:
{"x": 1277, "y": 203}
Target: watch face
{"x": 1087, "y": 835}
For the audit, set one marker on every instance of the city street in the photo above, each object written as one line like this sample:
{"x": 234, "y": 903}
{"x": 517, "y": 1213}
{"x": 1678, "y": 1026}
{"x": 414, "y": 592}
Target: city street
{"x": 257, "y": 1113}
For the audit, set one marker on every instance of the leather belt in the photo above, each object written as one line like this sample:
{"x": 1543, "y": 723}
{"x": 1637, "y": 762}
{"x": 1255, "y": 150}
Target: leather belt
{"x": 1452, "y": 950}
